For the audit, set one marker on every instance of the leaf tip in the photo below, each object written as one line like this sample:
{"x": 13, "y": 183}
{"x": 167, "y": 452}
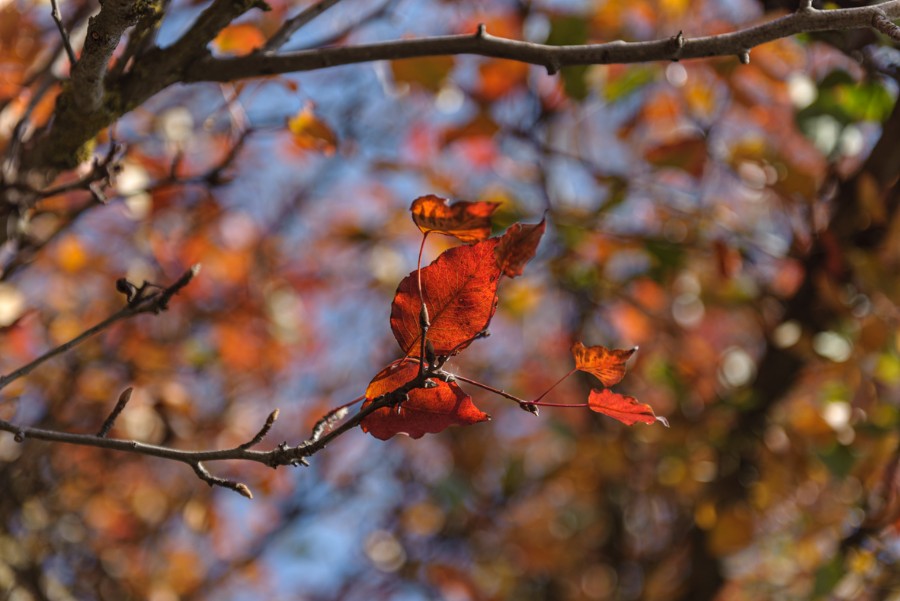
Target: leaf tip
{"x": 662, "y": 420}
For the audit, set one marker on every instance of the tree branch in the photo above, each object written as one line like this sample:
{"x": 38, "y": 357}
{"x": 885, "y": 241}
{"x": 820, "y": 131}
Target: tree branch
{"x": 282, "y": 454}
{"x": 737, "y": 43}
{"x": 141, "y": 302}
{"x": 103, "y": 35}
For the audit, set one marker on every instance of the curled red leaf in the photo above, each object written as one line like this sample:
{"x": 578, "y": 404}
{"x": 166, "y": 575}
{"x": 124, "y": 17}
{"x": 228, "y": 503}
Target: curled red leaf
{"x": 427, "y": 411}
{"x": 518, "y": 246}
{"x": 467, "y": 221}
{"x": 460, "y": 292}
{"x": 626, "y": 409}
{"x": 608, "y": 365}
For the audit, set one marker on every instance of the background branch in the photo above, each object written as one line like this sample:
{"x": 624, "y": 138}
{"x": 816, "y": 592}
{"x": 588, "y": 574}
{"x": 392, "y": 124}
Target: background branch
{"x": 279, "y": 456}
{"x": 54, "y": 12}
{"x": 153, "y": 302}
{"x": 292, "y": 25}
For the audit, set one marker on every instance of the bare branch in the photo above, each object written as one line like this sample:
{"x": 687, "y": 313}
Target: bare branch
{"x": 54, "y": 13}
{"x": 737, "y": 43}
{"x": 270, "y": 421}
{"x": 209, "y": 23}
{"x": 142, "y": 303}
{"x": 204, "y": 475}
{"x": 101, "y": 171}
{"x": 161, "y": 302}
{"x": 329, "y": 420}
{"x": 292, "y": 25}
{"x": 114, "y": 414}
{"x": 336, "y": 36}
{"x": 885, "y": 26}
{"x": 140, "y": 39}
{"x": 279, "y": 456}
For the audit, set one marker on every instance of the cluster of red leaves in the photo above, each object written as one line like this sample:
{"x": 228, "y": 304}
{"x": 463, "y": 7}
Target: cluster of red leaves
{"x": 450, "y": 303}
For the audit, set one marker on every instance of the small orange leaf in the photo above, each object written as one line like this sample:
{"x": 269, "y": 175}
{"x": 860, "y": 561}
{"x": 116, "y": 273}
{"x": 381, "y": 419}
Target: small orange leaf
{"x": 606, "y": 364}
{"x": 626, "y": 409}
{"x": 311, "y": 133}
{"x": 482, "y": 125}
{"x": 499, "y": 77}
{"x": 467, "y": 221}
{"x": 427, "y": 72}
{"x": 239, "y": 39}
{"x": 427, "y": 411}
{"x": 518, "y": 246}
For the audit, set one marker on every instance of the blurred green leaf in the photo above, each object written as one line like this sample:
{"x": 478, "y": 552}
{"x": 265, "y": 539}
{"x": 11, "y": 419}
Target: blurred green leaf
{"x": 848, "y": 101}
{"x": 839, "y": 460}
{"x": 667, "y": 258}
{"x": 633, "y": 79}
{"x": 571, "y": 30}
{"x": 827, "y": 577}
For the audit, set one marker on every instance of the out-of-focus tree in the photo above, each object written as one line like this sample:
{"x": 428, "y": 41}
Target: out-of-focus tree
{"x": 720, "y": 189}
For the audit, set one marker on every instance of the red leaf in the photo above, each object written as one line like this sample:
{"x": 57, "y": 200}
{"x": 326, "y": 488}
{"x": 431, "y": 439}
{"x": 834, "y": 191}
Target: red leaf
{"x": 626, "y": 409}
{"x": 606, "y": 364}
{"x": 518, "y": 246}
{"x": 468, "y": 221}
{"x": 460, "y": 291}
{"x": 428, "y": 410}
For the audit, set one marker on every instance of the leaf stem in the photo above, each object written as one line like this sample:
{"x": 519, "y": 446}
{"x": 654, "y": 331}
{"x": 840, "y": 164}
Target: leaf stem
{"x": 566, "y": 405}
{"x": 546, "y": 392}
{"x": 496, "y": 391}
{"x": 424, "y": 320}
{"x": 419, "y": 267}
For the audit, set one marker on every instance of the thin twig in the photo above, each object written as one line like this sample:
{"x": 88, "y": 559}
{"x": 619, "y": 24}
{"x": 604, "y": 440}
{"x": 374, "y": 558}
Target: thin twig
{"x": 19, "y": 130}
{"x": 101, "y": 171}
{"x": 886, "y": 26}
{"x": 162, "y": 302}
{"x": 270, "y": 421}
{"x": 114, "y": 414}
{"x": 54, "y": 12}
{"x": 292, "y": 25}
{"x": 204, "y": 475}
{"x": 328, "y": 421}
{"x": 335, "y": 37}
{"x": 152, "y": 303}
